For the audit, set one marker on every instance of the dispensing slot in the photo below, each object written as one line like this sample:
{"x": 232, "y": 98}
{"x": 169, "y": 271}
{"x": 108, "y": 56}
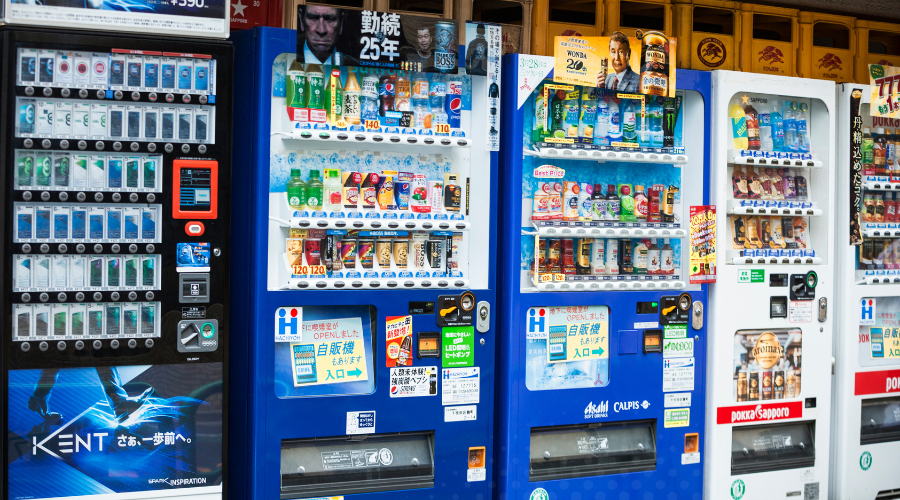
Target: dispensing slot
{"x": 880, "y": 421}
{"x": 582, "y": 450}
{"x": 771, "y": 447}
{"x": 356, "y": 464}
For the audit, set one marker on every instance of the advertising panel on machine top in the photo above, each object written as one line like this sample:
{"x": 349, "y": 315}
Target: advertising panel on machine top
{"x": 191, "y": 18}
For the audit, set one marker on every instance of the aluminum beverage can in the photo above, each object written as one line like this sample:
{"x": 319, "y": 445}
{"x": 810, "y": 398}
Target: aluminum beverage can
{"x": 445, "y": 42}
{"x": 453, "y": 103}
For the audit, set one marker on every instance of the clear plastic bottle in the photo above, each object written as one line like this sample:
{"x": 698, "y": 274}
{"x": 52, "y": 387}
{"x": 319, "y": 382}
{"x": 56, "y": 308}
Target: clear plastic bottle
{"x": 612, "y": 256}
{"x": 615, "y": 121}
{"x": 423, "y": 114}
{"x": 585, "y": 203}
{"x": 629, "y": 134}
{"x": 332, "y": 190}
{"x": 296, "y": 190}
{"x": 352, "y": 104}
{"x": 315, "y": 191}
{"x": 765, "y": 132}
{"x": 777, "y": 122}
{"x": 802, "y": 131}
{"x": 403, "y": 93}
{"x": 790, "y": 127}
{"x": 601, "y": 128}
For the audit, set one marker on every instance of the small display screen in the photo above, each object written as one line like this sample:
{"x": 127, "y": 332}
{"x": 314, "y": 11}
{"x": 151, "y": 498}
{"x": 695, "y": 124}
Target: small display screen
{"x": 196, "y": 190}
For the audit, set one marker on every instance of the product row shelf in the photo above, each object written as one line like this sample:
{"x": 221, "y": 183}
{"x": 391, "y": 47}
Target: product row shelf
{"x": 880, "y": 277}
{"x": 611, "y": 282}
{"x": 561, "y": 229}
{"x": 373, "y": 220}
{"x": 880, "y": 183}
{"x": 388, "y": 135}
{"x": 772, "y": 207}
{"x": 637, "y": 155}
{"x": 781, "y": 159}
{"x": 739, "y": 257}
{"x": 881, "y": 229}
{"x": 375, "y": 283}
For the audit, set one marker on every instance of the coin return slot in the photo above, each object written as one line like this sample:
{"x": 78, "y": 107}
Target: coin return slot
{"x": 356, "y": 464}
{"x": 592, "y": 449}
{"x": 772, "y": 447}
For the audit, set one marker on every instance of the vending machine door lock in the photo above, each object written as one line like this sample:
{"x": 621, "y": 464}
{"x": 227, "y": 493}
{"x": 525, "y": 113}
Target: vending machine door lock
{"x": 483, "y": 317}
{"x": 823, "y": 309}
{"x": 697, "y": 317}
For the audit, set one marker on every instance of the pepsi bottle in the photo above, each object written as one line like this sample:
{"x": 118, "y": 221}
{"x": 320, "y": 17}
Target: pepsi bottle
{"x": 385, "y": 94}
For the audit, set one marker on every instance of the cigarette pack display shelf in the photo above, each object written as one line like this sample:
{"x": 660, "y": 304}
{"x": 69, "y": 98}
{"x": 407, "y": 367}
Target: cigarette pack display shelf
{"x": 442, "y": 141}
{"x": 613, "y": 283}
{"x": 376, "y": 283}
{"x": 799, "y": 159}
{"x": 873, "y": 183}
{"x": 733, "y": 257}
{"x": 611, "y": 229}
{"x": 735, "y": 208}
{"x": 607, "y": 155}
{"x": 376, "y": 224}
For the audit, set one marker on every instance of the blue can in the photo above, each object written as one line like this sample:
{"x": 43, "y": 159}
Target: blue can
{"x": 453, "y": 103}
{"x": 445, "y": 41}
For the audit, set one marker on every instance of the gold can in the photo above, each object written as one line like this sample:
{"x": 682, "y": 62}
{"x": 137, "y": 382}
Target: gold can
{"x": 654, "y": 64}
{"x": 383, "y": 253}
{"x": 401, "y": 251}
{"x": 742, "y": 387}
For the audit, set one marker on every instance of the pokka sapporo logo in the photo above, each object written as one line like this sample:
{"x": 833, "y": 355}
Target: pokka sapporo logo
{"x": 771, "y": 54}
{"x": 711, "y": 52}
{"x": 830, "y": 62}
{"x": 767, "y": 351}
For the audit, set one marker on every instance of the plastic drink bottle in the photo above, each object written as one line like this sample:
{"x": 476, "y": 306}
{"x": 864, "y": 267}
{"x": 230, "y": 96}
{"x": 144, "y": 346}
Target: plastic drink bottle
{"x": 777, "y": 121}
{"x": 790, "y": 126}
{"x": 656, "y": 134}
{"x": 615, "y": 121}
{"x": 352, "y": 104}
{"x": 765, "y": 132}
{"x": 315, "y": 87}
{"x": 332, "y": 189}
{"x": 629, "y": 133}
{"x": 404, "y": 93}
{"x": 314, "y": 191}
{"x": 752, "y": 121}
{"x": 296, "y": 190}
{"x": 738, "y": 126}
{"x": 601, "y": 128}
{"x": 802, "y": 128}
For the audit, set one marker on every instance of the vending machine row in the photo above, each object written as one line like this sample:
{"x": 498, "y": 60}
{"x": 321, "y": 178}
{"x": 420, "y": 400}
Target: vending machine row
{"x": 866, "y": 411}
{"x": 773, "y": 182}
{"x": 114, "y": 277}
{"x": 364, "y": 353}
{"x": 602, "y": 358}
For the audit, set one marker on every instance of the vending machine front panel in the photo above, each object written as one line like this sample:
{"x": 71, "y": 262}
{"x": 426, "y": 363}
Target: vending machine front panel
{"x": 115, "y": 372}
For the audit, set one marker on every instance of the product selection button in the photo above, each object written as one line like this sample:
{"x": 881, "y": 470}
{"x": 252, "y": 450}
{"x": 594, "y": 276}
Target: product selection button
{"x": 194, "y": 228}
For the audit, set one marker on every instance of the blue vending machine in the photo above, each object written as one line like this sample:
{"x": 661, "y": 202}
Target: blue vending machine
{"x": 603, "y": 344}
{"x": 364, "y": 344}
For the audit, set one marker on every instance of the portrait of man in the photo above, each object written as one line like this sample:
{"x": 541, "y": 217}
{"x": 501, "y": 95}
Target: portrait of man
{"x": 623, "y": 78}
{"x": 320, "y": 28}
{"x": 422, "y": 51}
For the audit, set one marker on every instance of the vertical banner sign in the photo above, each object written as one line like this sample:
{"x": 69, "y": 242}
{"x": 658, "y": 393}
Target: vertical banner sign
{"x": 703, "y": 244}
{"x": 642, "y": 65}
{"x": 885, "y": 82}
{"x": 364, "y": 38}
{"x": 483, "y": 59}
{"x": 855, "y": 166}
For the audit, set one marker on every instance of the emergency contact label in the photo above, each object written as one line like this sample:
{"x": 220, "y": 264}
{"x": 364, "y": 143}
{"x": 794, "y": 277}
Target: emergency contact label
{"x": 461, "y": 386}
{"x": 678, "y": 374}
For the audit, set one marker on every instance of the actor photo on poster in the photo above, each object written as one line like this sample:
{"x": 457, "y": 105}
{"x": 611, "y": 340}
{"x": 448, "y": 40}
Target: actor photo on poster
{"x": 622, "y": 78}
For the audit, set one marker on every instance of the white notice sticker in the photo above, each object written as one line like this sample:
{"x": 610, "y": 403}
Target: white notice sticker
{"x": 360, "y": 422}
{"x": 646, "y": 325}
{"x": 690, "y": 458}
{"x": 414, "y": 381}
{"x": 678, "y": 374}
{"x": 479, "y": 474}
{"x": 460, "y": 413}
{"x": 678, "y": 348}
{"x": 677, "y": 400}
{"x": 800, "y": 311}
{"x": 461, "y": 386}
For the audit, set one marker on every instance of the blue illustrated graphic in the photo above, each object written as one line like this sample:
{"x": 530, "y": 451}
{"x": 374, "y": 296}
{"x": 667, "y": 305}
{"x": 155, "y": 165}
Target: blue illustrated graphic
{"x": 107, "y": 430}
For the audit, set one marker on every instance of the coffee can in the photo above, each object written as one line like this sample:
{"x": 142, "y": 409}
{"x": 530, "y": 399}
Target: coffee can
{"x": 383, "y": 253}
{"x": 401, "y": 252}
{"x": 434, "y": 250}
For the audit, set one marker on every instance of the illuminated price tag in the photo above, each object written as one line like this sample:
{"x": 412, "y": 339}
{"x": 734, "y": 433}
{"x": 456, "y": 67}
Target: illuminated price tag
{"x": 300, "y": 270}
{"x": 559, "y": 277}
{"x": 317, "y": 270}
{"x": 442, "y": 128}
{"x": 372, "y": 125}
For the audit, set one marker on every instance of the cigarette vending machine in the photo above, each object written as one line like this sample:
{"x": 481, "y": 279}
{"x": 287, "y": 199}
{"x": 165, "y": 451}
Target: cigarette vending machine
{"x": 367, "y": 272}
{"x": 867, "y": 366}
{"x": 114, "y": 275}
{"x": 773, "y": 185}
{"x": 603, "y": 349}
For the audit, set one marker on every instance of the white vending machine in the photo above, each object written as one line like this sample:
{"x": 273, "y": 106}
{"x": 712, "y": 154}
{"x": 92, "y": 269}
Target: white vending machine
{"x": 769, "y": 359}
{"x": 867, "y": 349}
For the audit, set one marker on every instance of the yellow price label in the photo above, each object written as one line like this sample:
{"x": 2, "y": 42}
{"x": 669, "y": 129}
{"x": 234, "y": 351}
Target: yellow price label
{"x": 559, "y": 277}
{"x": 442, "y": 128}
{"x": 545, "y": 278}
{"x": 372, "y": 125}
{"x": 317, "y": 270}
{"x": 300, "y": 270}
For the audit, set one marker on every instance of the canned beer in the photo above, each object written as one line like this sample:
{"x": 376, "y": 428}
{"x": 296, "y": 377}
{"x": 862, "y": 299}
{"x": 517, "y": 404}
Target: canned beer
{"x": 654, "y": 64}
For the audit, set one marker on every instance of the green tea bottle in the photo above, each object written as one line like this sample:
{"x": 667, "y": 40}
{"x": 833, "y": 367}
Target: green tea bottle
{"x": 315, "y": 191}
{"x": 296, "y": 190}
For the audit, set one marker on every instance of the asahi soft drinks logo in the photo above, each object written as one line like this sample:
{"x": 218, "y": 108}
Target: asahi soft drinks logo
{"x": 600, "y": 410}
